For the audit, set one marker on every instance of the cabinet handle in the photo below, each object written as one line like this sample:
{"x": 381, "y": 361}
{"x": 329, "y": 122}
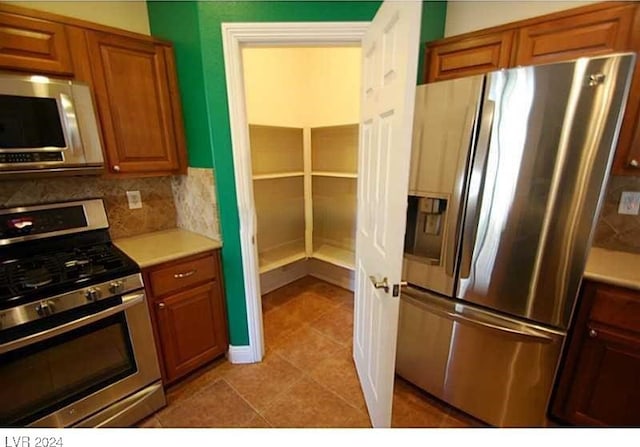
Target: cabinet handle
{"x": 634, "y": 163}
{"x": 116, "y": 168}
{"x": 161, "y": 305}
{"x": 184, "y": 274}
{"x": 593, "y": 333}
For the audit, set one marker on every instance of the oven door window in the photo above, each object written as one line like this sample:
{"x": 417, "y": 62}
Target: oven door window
{"x": 44, "y": 377}
{"x": 30, "y": 123}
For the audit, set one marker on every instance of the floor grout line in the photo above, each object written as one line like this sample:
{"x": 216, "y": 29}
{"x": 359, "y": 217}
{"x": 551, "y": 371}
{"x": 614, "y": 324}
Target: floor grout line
{"x": 338, "y": 393}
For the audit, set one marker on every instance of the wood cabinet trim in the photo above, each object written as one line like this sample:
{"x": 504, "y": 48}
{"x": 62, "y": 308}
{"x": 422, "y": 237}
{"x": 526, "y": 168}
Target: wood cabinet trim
{"x": 176, "y": 105}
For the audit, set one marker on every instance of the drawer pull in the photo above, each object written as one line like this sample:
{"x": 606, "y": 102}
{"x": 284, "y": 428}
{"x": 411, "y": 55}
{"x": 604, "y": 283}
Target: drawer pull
{"x": 593, "y": 333}
{"x": 161, "y": 305}
{"x": 184, "y": 274}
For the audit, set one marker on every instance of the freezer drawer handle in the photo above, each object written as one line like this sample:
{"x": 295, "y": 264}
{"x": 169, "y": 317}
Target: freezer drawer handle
{"x": 426, "y": 302}
{"x": 526, "y": 334}
{"x": 384, "y": 284}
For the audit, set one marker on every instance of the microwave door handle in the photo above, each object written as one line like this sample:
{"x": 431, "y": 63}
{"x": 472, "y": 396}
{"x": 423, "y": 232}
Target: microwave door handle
{"x": 476, "y": 188}
{"x": 455, "y": 209}
{"x": 127, "y": 301}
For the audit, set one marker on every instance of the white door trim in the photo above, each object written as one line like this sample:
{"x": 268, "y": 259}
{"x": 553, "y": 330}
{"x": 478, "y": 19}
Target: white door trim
{"x": 234, "y": 36}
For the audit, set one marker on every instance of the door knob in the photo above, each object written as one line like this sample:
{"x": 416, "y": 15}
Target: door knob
{"x": 380, "y": 284}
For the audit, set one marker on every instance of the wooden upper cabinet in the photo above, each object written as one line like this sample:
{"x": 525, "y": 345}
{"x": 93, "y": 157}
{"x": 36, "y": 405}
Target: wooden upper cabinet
{"x": 135, "y": 86}
{"x": 591, "y": 30}
{"x": 468, "y": 56}
{"x": 33, "y": 45}
{"x": 591, "y": 34}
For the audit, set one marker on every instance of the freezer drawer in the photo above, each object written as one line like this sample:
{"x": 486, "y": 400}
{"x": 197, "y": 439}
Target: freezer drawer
{"x": 495, "y": 368}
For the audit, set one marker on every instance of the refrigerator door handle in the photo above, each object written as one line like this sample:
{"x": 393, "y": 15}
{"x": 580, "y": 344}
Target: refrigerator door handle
{"x": 476, "y": 188}
{"x": 455, "y": 210}
{"x": 465, "y": 314}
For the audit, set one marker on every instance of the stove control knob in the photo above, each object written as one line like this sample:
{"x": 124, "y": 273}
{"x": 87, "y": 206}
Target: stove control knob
{"x": 92, "y": 294}
{"x": 45, "y": 308}
{"x": 116, "y": 287}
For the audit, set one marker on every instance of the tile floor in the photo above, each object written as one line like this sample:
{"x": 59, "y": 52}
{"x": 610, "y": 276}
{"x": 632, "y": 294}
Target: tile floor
{"x": 307, "y": 377}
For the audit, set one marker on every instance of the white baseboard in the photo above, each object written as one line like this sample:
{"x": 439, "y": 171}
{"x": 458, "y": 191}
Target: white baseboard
{"x": 240, "y": 354}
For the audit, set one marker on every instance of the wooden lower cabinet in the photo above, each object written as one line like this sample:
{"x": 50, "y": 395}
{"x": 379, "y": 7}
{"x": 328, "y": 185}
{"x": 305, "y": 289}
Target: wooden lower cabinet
{"x": 190, "y": 319}
{"x": 599, "y": 382}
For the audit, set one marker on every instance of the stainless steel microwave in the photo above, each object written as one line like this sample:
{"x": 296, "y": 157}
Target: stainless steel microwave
{"x": 47, "y": 125}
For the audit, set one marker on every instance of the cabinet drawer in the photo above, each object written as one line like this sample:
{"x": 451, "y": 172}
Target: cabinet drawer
{"x": 182, "y": 274}
{"x": 616, "y": 307}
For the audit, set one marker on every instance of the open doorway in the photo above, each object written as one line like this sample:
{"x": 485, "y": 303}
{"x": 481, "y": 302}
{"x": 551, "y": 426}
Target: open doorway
{"x": 302, "y": 108}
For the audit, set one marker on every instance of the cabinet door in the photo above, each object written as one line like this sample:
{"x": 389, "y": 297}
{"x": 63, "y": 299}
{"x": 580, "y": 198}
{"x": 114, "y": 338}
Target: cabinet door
{"x": 33, "y": 45}
{"x": 599, "y": 381}
{"x": 606, "y": 388}
{"x": 192, "y": 328}
{"x": 627, "y": 161}
{"x": 132, "y": 87}
{"x": 468, "y": 56}
{"x": 567, "y": 38}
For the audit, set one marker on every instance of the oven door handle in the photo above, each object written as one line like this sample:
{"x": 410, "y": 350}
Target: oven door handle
{"x": 128, "y": 301}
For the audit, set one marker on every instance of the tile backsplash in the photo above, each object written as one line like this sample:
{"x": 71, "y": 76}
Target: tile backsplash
{"x": 618, "y": 231}
{"x": 158, "y": 211}
{"x": 189, "y": 202}
{"x": 196, "y": 204}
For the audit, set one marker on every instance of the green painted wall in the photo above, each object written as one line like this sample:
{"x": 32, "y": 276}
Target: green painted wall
{"x": 194, "y": 27}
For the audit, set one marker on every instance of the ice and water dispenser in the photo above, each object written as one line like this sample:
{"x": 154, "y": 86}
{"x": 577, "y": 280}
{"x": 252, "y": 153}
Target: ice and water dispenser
{"x": 425, "y": 228}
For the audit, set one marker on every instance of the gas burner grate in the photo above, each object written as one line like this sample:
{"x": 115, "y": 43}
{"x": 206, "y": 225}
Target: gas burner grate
{"x": 24, "y": 275}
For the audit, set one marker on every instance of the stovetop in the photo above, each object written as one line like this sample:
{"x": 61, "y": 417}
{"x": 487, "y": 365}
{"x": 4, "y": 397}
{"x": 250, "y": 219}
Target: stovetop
{"x": 35, "y": 270}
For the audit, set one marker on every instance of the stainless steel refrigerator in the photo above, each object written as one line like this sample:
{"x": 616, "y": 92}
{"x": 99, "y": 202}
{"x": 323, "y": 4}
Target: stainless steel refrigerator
{"x": 507, "y": 177}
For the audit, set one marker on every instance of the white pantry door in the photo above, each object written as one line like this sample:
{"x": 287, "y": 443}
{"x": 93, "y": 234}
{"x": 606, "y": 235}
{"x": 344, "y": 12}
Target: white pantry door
{"x": 389, "y": 70}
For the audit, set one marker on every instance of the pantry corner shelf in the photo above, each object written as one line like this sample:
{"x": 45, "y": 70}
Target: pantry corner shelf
{"x": 276, "y": 175}
{"x": 335, "y": 255}
{"x": 335, "y": 174}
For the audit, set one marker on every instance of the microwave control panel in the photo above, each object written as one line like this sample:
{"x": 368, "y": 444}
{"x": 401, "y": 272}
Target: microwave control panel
{"x": 30, "y": 157}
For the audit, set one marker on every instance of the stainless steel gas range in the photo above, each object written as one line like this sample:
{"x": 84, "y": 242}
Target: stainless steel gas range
{"x": 76, "y": 344}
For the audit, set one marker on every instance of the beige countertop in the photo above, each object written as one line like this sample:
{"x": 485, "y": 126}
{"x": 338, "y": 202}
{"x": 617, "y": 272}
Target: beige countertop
{"x": 163, "y": 246}
{"x": 618, "y": 268}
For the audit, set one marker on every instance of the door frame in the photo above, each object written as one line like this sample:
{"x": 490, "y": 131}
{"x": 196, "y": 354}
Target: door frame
{"x": 234, "y": 37}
